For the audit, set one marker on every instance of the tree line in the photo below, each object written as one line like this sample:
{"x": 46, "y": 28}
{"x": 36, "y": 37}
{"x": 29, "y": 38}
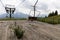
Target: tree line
{"x": 53, "y": 13}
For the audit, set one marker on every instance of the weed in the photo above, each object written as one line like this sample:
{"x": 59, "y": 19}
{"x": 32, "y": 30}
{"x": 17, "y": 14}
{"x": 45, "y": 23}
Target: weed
{"x": 18, "y": 32}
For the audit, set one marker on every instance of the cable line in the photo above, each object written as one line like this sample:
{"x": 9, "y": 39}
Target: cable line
{"x": 2, "y": 3}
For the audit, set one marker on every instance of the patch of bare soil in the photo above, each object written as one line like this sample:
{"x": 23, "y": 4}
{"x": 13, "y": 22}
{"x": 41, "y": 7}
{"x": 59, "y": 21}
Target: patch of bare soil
{"x": 33, "y": 30}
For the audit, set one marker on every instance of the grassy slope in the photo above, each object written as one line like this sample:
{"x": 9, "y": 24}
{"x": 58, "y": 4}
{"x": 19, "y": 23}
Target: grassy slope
{"x": 51, "y": 20}
{"x": 13, "y": 19}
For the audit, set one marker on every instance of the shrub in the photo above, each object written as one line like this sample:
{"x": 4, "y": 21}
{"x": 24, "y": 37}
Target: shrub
{"x": 18, "y": 32}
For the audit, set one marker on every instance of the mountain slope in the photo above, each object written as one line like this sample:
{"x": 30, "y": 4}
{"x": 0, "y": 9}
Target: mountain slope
{"x": 15, "y": 15}
{"x": 20, "y": 15}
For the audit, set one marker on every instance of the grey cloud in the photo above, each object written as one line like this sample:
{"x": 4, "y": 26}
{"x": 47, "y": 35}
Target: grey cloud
{"x": 28, "y": 5}
{"x": 57, "y": 6}
{"x": 42, "y": 7}
{"x": 23, "y": 0}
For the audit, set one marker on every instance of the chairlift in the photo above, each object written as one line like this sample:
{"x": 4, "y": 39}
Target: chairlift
{"x": 10, "y": 9}
{"x": 34, "y": 17}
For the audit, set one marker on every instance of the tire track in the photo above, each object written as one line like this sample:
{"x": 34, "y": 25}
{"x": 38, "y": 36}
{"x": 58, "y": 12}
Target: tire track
{"x": 27, "y": 26}
{"x": 48, "y": 30}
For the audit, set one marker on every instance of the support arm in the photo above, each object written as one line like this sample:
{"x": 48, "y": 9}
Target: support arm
{"x": 35, "y": 7}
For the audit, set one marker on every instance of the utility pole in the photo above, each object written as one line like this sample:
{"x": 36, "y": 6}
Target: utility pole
{"x": 35, "y": 7}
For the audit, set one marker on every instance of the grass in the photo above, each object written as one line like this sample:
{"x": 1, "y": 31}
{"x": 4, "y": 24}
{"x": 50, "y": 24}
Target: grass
{"x": 1, "y": 19}
{"x": 51, "y": 20}
{"x": 18, "y": 32}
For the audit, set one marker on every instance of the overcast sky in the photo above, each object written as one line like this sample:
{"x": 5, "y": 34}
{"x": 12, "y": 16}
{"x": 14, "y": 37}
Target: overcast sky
{"x": 24, "y": 6}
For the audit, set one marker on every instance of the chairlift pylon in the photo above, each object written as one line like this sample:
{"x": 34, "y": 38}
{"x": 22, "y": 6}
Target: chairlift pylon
{"x": 33, "y": 18}
{"x": 10, "y": 10}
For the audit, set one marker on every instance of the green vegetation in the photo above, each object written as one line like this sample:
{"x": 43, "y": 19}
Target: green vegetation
{"x": 51, "y": 20}
{"x": 18, "y": 32}
{"x": 53, "y": 13}
{"x": 12, "y": 19}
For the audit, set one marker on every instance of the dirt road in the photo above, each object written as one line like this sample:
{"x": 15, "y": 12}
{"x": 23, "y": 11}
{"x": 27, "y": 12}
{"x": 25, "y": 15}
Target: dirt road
{"x": 33, "y": 30}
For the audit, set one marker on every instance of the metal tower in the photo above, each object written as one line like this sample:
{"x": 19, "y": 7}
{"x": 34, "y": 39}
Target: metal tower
{"x": 35, "y": 7}
{"x": 10, "y": 10}
{"x": 33, "y": 18}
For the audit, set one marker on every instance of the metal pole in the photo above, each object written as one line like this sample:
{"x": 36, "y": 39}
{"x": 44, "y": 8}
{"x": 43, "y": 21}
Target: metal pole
{"x": 34, "y": 11}
{"x": 10, "y": 13}
{"x": 35, "y": 7}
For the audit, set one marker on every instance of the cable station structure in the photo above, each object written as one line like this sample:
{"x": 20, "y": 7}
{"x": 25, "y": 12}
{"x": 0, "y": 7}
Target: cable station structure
{"x": 34, "y": 17}
{"x": 10, "y": 9}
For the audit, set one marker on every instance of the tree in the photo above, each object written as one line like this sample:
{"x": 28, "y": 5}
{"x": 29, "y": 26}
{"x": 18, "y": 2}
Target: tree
{"x": 56, "y": 12}
{"x": 49, "y": 15}
{"x": 53, "y": 13}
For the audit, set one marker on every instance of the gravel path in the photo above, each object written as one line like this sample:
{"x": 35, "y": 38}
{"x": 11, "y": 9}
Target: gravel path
{"x": 33, "y": 30}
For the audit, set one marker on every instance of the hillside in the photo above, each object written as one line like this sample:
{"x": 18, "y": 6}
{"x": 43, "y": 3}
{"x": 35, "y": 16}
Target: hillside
{"x": 51, "y": 20}
{"x": 15, "y": 15}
